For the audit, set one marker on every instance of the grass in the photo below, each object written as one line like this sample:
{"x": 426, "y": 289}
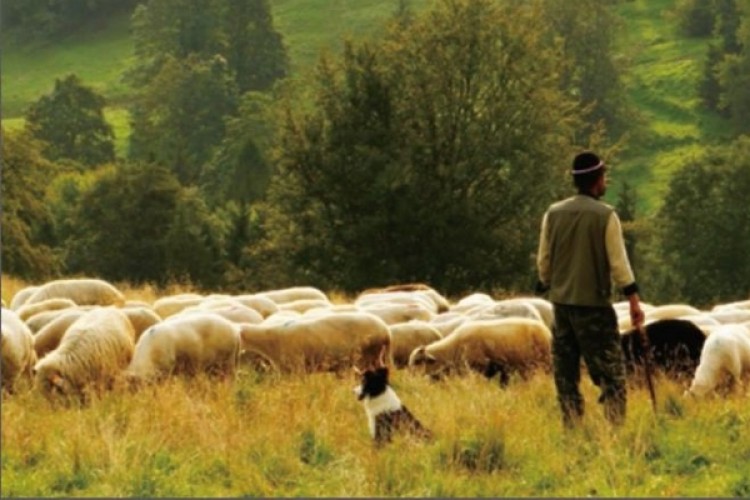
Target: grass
{"x": 269, "y": 435}
{"x": 662, "y": 83}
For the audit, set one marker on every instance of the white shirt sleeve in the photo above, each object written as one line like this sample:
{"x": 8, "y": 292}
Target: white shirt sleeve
{"x": 542, "y": 255}
{"x": 619, "y": 264}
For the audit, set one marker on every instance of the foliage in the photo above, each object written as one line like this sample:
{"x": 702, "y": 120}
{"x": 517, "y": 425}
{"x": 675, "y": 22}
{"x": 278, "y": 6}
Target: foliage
{"x": 179, "y": 116}
{"x": 70, "y": 121}
{"x": 695, "y": 18}
{"x": 704, "y": 227}
{"x": 588, "y": 30}
{"x": 25, "y": 217}
{"x": 35, "y": 20}
{"x": 417, "y": 159}
{"x": 735, "y": 78}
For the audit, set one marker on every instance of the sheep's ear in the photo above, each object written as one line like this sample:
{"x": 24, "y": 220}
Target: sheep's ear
{"x": 57, "y": 380}
{"x": 381, "y": 357}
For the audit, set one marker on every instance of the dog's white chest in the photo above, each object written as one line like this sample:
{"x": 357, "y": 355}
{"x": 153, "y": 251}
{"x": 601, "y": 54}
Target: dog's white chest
{"x": 386, "y": 402}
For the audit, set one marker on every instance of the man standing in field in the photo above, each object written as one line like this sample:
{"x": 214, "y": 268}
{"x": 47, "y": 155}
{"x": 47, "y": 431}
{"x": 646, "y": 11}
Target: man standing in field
{"x": 581, "y": 251}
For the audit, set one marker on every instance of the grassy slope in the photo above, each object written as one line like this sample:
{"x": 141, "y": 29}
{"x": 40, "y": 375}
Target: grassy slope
{"x": 663, "y": 69}
{"x": 662, "y": 85}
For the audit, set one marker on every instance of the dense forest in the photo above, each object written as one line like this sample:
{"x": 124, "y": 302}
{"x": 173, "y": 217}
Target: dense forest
{"x": 427, "y": 153}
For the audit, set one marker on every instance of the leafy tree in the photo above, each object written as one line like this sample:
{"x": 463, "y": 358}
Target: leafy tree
{"x": 626, "y": 210}
{"x": 709, "y": 87}
{"x": 255, "y": 50}
{"x": 24, "y": 213}
{"x": 705, "y": 227}
{"x": 239, "y": 170}
{"x": 588, "y": 29}
{"x": 695, "y": 18}
{"x": 735, "y": 79}
{"x": 422, "y": 156}
{"x": 70, "y": 121}
{"x": 120, "y": 222}
{"x": 179, "y": 116}
{"x": 728, "y": 17}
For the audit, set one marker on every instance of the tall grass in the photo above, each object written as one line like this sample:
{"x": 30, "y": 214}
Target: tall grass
{"x": 270, "y": 435}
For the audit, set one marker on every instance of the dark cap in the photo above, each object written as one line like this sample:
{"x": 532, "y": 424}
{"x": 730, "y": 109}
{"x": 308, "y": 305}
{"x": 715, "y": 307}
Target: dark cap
{"x": 586, "y": 162}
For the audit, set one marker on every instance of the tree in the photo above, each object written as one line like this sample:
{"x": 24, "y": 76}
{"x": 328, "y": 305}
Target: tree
{"x": 179, "y": 117}
{"x": 24, "y": 214}
{"x": 735, "y": 78}
{"x": 70, "y": 121}
{"x": 255, "y": 50}
{"x": 588, "y": 30}
{"x": 709, "y": 87}
{"x": 422, "y": 157}
{"x": 704, "y": 226}
{"x": 626, "y": 210}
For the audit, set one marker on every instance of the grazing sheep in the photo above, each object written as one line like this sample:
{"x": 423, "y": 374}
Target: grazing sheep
{"x": 263, "y": 305}
{"x": 16, "y": 349}
{"x": 675, "y": 347}
{"x": 284, "y": 295}
{"x": 331, "y": 342}
{"x": 82, "y": 291}
{"x": 28, "y": 310}
{"x": 405, "y": 337}
{"x": 42, "y": 319}
{"x": 491, "y": 346}
{"x": 471, "y": 301}
{"x": 510, "y": 308}
{"x": 22, "y": 296}
{"x": 236, "y": 313}
{"x": 726, "y": 316}
{"x": 447, "y": 322}
{"x": 49, "y": 336}
{"x": 197, "y": 342}
{"x": 91, "y": 354}
{"x": 172, "y": 304}
{"x": 408, "y": 293}
{"x": 393, "y": 313}
{"x": 141, "y": 317}
{"x": 725, "y": 359}
{"x": 303, "y": 305}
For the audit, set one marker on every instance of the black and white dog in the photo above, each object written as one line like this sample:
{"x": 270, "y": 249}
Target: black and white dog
{"x": 385, "y": 412}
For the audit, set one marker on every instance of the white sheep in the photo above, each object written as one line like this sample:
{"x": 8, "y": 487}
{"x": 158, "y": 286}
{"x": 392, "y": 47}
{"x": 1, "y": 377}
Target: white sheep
{"x": 509, "y": 308}
{"x": 263, "y": 305}
{"x": 331, "y": 342}
{"x": 141, "y": 317}
{"x": 237, "y": 313}
{"x": 447, "y": 322}
{"x": 91, "y": 354}
{"x": 471, "y": 301}
{"x": 417, "y": 289}
{"x": 405, "y": 337}
{"x": 172, "y": 304}
{"x": 49, "y": 336}
{"x": 725, "y": 358}
{"x": 303, "y": 305}
{"x": 284, "y": 295}
{"x": 730, "y": 315}
{"x": 26, "y": 311}
{"x": 16, "y": 349}
{"x": 393, "y": 313}
{"x": 82, "y": 291}
{"x": 192, "y": 343}
{"x": 491, "y": 346}
{"x": 22, "y": 296}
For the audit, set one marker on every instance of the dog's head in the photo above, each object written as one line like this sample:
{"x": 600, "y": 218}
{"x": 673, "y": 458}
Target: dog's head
{"x": 374, "y": 383}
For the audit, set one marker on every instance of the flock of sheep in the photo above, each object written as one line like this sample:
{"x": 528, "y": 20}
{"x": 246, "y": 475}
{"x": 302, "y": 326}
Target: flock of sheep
{"x": 78, "y": 337}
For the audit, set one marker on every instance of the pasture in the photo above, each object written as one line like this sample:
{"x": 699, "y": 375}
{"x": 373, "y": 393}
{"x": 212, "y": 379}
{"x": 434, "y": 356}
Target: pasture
{"x": 273, "y": 435}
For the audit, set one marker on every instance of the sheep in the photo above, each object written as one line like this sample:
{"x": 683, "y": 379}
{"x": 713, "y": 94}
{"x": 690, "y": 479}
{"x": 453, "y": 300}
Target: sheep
{"x": 329, "y": 342}
{"x": 396, "y": 298}
{"x": 82, "y": 291}
{"x": 141, "y": 317}
{"x": 739, "y": 304}
{"x": 494, "y": 346}
{"x": 42, "y": 319}
{"x": 730, "y": 315}
{"x": 91, "y": 354}
{"x": 22, "y": 296}
{"x": 172, "y": 304}
{"x": 447, "y": 322}
{"x": 237, "y": 313}
{"x": 48, "y": 337}
{"x": 430, "y": 297}
{"x": 675, "y": 346}
{"x": 28, "y": 310}
{"x": 303, "y": 305}
{"x": 263, "y": 305}
{"x": 393, "y": 313}
{"x": 510, "y": 308}
{"x": 471, "y": 301}
{"x": 197, "y": 342}
{"x": 290, "y": 294}
{"x": 725, "y": 358}
{"x": 405, "y": 337}
{"x": 16, "y": 350}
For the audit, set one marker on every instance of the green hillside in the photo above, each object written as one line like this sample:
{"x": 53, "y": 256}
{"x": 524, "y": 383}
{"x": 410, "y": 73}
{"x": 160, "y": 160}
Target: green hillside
{"x": 662, "y": 67}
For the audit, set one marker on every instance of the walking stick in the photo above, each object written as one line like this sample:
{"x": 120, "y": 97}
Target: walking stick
{"x": 647, "y": 364}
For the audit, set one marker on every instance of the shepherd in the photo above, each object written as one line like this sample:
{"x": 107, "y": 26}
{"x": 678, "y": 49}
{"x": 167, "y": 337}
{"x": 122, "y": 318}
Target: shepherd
{"x": 581, "y": 251}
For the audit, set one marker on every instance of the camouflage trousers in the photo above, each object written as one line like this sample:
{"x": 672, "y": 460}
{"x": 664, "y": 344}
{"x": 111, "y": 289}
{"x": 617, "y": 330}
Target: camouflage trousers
{"x": 589, "y": 333}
